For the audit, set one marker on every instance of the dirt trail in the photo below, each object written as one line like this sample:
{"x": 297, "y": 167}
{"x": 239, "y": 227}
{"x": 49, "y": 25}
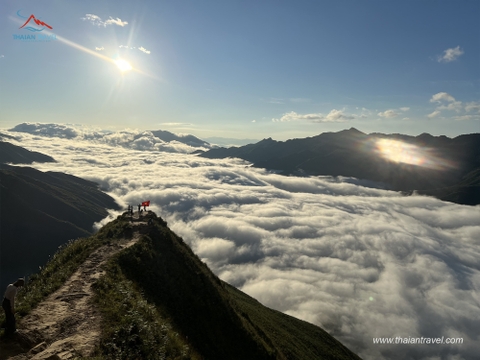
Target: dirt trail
{"x": 65, "y": 325}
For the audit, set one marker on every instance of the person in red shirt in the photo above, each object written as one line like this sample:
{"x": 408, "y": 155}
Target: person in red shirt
{"x": 8, "y": 305}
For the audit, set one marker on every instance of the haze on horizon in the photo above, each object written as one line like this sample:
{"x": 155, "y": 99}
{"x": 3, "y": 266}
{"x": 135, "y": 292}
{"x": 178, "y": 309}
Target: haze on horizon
{"x": 245, "y": 69}
{"x": 358, "y": 261}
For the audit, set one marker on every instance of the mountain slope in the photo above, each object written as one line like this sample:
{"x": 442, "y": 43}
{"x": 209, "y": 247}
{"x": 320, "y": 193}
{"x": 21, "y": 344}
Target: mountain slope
{"x": 157, "y": 300}
{"x": 14, "y": 154}
{"x": 40, "y": 211}
{"x": 467, "y": 191}
{"x": 186, "y": 139}
{"x": 435, "y": 162}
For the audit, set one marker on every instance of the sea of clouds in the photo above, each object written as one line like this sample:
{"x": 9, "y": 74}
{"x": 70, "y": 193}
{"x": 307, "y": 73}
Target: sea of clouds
{"x": 131, "y": 139}
{"x": 358, "y": 261}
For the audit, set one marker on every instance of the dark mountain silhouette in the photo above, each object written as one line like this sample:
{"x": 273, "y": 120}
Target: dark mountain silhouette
{"x": 467, "y": 191}
{"x": 221, "y": 141}
{"x": 185, "y": 139}
{"x": 41, "y": 210}
{"x": 14, "y": 154}
{"x": 452, "y": 169}
{"x": 152, "y": 298}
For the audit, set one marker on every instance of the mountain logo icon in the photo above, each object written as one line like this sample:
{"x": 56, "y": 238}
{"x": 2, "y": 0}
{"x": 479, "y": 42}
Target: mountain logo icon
{"x": 33, "y": 23}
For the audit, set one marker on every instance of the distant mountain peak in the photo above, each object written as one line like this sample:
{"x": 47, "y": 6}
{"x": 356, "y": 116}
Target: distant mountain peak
{"x": 351, "y": 131}
{"x": 353, "y": 153}
{"x": 190, "y": 140}
{"x": 355, "y": 130}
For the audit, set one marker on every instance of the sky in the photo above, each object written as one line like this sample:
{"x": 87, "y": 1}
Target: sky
{"x": 361, "y": 262}
{"x": 243, "y": 69}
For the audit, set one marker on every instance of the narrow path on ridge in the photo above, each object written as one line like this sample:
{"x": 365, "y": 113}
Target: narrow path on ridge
{"x": 66, "y": 325}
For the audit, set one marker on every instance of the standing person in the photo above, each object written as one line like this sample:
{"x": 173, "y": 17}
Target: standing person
{"x": 139, "y": 206}
{"x": 8, "y": 305}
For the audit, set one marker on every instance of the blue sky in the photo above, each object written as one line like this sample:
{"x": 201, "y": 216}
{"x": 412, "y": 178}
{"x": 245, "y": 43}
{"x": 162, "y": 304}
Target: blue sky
{"x": 245, "y": 69}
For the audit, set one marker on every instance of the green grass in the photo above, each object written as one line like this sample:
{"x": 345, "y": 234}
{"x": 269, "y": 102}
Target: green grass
{"x": 294, "y": 338}
{"x": 158, "y": 300}
{"x": 63, "y": 264}
{"x": 184, "y": 290}
{"x": 132, "y": 328}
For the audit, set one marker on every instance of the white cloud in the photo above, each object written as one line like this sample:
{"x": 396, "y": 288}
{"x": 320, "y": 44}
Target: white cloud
{"x": 446, "y": 101}
{"x": 391, "y": 113}
{"x": 442, "y": 96}
{"x": 142, "y": 49}
{"x": 293, "y": 116}
{"x": 254, "y": 121}
{"x": 388, "y": 114}
{"x": 2, "y": 56}
{"x": 96, "y": 20}
{"x": 454, "y": 106}
{"x": 333, "y": 116}
{"x": 434, "y": 114}
{"x": 99, "y": 48}
{"x": 473, "y": 106}
{"x": 352, "y": 259}
{"x": 337, "y": 116}
{"x": 467, "y": 117}
{"x": 116, "y": 21}
{"x": 450, "y": 55}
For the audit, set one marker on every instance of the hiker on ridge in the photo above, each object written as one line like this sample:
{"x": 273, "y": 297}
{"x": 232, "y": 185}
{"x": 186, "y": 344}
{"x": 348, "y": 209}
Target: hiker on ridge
{"x": 8, "y": 305}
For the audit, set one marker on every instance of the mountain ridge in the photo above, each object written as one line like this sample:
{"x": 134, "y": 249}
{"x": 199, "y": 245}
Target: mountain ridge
{"x": 14, "y": 154}
{"x": 59, "y": 207}
{"x": 190, "y": 140}
{"x": 436, "y": 162}
{"x": 157, "y": 300}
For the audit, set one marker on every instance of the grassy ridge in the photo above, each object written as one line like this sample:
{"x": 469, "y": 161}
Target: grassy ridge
{"x": 296, "y": 339}
{"x": 184, "y": 290}
{"x": 132, "y": 328}
{"x": 219, "y": 321}
{"x": 63, "y": 264}
{"x": 158, "y": 300}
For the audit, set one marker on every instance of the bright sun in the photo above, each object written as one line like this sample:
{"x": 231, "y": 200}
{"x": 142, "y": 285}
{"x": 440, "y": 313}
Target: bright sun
{"x": 123, "y": 65}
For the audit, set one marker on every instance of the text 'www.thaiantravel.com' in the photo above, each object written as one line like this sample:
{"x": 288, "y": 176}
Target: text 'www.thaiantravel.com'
{"x": 417, "y": 340}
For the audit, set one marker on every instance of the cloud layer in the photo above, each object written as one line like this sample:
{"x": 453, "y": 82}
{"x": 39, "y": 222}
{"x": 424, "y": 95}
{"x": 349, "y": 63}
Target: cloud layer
{"x": 360, "y": 262}
{"x": 132, "y": 139}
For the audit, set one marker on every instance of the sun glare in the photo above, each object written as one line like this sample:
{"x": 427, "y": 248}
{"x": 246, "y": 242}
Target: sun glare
{"x": 402, "y": 152}
{"x": 123, "y": 65}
